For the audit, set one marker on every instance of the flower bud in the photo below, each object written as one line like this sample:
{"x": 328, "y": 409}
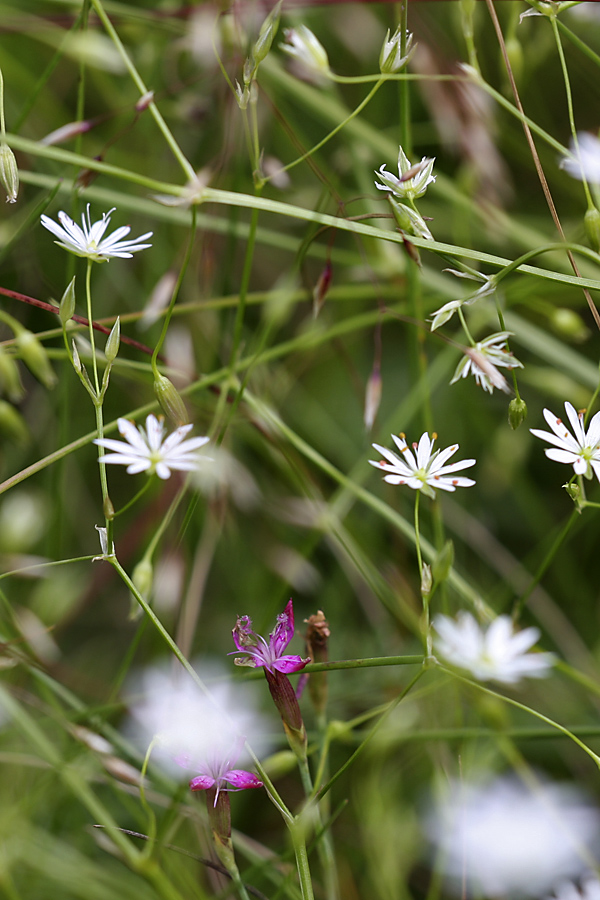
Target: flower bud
{"x": 112, "y": 344}
{"x": 170, "y": 400}
{"x": 514, "y": 51}
{"x": 517, "y": 412}
{"x": 10, "y": 381}
{"x": 35, "y": 357}
{"x": 12, "y": 424}
{"x": 591, "y": 223}
{"x": 426, "y": 580}
{"x": 67, "y": 303}
{"x": 143, "y": 578}
{"x": 108, "y": 509}
{"x": 77, "y": 364}
{"x": 443, "y": 562}
{"x": 568, "y": 324}
{"x": 574, "y": 492}
{"x": 9, "y": 173}
{"x": 144, "y": 101}
{"x": 372, "y": 397}
{"x": 321, "y": 289}
{"x": 266, "y": 35}
{"x": 317, "y": 638}
{"x": 409, "y": 220}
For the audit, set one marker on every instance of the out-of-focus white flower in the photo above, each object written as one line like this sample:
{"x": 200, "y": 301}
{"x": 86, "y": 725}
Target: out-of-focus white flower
{"x": 413, "y": 180}
{"x": 195, "y": 732}
{"x": 497, "y": 653}
{"x": 582, "y": 451}
{"x": 89, "y": 241}
{"x": 506, "y": 838}
{"x": 226, "y": 474}
{"x": 588, "y": 889}
{"x": 424, "y": 470}
{"x": 585, "y": 159}
{"x": 304, "y": 47}
{"x": 149, "y": 451}
{"x": 482, "y": 360}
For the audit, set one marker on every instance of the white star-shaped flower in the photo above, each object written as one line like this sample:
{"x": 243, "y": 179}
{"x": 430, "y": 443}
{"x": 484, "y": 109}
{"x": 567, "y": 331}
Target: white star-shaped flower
{"x": 423, "y": 470}
{"x": 588, "y": 889}
{"x": 482, "y": 361}
{"x": 89, "y": 241}
{"x": 582, "y": 451}
{"x": 497, "y": 653}
{"x": 412, "y": 181}
{"x": 147, "y": 450}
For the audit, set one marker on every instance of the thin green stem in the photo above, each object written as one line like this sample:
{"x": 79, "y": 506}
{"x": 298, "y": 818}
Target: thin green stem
{"x": 162, "y": 125}
{"x": 522, "y": 600}
{"x": 565, "y": 72}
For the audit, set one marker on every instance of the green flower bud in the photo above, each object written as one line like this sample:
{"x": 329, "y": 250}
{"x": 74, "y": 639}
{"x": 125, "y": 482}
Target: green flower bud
{"x": 113, "y": 341}
{"x": 574, "y": 492}
{"x": 514, "y": 51}
{"x": 10, "y": 380}
{"x": 443, "y": 562}
{"x": 9, "y": 173}
{"x": 591, "y": 222}
{"x": 67, "y": 303}
{"x": 426, "y": 580}
{"x": 143, "y": 578}
{"x": 266, "y": 35}
{"x": 569, "y": 324}
{"x": 12, "y": 424}
{"x": 170, "y": 400}
{"x": 35, "y": 357}
{"x": 517, "y": 412}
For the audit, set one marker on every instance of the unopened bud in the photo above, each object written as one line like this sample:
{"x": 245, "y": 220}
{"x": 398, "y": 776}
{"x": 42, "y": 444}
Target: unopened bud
{"x": 443, "y": 562}
{"x": 77, "y": 365}
{"x": 574, "y": 492}
{"x": 321, "y": 289}
{"x": 569, "y": 324}
{"x": 12, "y": 424}
{"x": 317, "y": 639}
{"x": 67, "y": 303}
{"x": 143, "y": 578}
{"x": 517, "y": 412}
{"x": 144, "y": 101}
{"x": 426, "y": 580}
{"x": 10, "y": 381}
{"x": 514, "y": 51}
{"x": 267, "y": 33}
{"x": 372, "y": 397}
{"x": 108, "y": 509}
{"x": 170, "y": 400}
{"x": 242, "y": 95}
{"x": 66, "y": 133}
{"x": 302, "y": 44}
{"x": 391, "y": 58}
{"x": 591, "y": 222}
{"x": 9, "y": 173}
{"x": 35, "y": 357}
{"x": 113, "y": 341}
{"x": 249, "y": 70}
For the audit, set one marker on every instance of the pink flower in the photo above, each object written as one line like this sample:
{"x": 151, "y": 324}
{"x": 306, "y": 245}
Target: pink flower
{"x": 218, "y": 775}
{"x": 257, "y": 652}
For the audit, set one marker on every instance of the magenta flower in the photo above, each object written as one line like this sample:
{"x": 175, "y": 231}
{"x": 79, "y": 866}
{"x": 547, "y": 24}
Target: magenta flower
{"x": 217, "y": 775}
{"x": 257, "y": 652}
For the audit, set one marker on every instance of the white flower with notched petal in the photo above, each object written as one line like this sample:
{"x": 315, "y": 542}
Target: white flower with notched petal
{"x": 147, "y": 450}
{"x": 582, "y": 451}
{"x": 585, "y": 159}
{"x": 497, "y": 653}
{"x": 423, "y": 470}
{"x": 412, "y": 181}
{"x": 482, "y": 360}
{"x": 89, "y": 241}
{"x": 509, "y": 838}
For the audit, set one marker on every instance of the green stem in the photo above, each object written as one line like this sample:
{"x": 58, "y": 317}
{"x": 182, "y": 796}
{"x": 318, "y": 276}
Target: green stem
{"x": 162, "y": 125}
{"x": 299, "y": 845}
{"x": 565, "y": 72}
{"x": 520, "y": 603}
